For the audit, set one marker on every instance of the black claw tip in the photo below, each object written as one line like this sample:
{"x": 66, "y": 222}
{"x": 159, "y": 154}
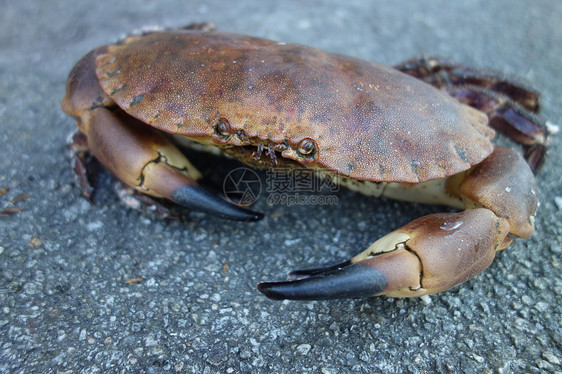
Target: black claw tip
{"x": 270, "y": 290}
{"x": 198, "y": 198}
{"x": 352, "y": 281}
{"x": 308, "y": 273}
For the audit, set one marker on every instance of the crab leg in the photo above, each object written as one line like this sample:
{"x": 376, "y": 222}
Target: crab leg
{"x": 511, "y": 104}
{"x": 436, "y": 252}
{"x": 444, "y": 73}
{"x": 522, "y": 126}
{"x": 137, "y": 154}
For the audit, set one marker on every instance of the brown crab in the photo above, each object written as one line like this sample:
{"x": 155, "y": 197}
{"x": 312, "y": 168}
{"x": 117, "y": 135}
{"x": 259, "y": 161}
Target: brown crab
{"x": 383, "y": 132}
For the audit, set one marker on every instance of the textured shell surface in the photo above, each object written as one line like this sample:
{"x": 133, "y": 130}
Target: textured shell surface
{"x": 367, "y": 121}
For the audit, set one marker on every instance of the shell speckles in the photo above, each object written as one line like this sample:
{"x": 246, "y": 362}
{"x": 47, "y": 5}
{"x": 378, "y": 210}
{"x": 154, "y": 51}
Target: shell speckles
{"x": 385, "y": 124}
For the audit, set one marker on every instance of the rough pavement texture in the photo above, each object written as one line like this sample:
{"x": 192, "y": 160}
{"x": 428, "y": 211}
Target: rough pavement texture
{"x": 65, "y": 305}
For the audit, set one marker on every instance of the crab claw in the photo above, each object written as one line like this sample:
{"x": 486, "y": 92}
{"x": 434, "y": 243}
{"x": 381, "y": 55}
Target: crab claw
{"x": 428, "y": 255}
{"x": 346, "y": 280}
{"x": 146, "y": 160}
{"x": 137, "y": 154}
{"x": 200, "y": 199}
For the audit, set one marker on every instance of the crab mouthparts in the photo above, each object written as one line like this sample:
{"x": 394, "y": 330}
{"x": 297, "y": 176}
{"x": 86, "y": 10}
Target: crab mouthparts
{"x": 270, "y": 151}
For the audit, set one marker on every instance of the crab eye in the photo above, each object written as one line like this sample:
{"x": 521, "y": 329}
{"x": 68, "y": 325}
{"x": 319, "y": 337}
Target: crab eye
{"x": 306, "y": 147}
{"x": 222, "y": 127}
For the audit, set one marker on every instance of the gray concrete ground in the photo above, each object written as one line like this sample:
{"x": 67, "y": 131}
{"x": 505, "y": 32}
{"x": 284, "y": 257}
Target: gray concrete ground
{"x": 66, "y": 306}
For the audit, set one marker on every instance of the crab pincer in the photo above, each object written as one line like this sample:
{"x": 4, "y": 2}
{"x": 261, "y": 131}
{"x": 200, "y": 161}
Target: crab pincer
{"x": 436, "y": 252}
{"x": 429, "y": 255}
{"x": 138, "y": 155}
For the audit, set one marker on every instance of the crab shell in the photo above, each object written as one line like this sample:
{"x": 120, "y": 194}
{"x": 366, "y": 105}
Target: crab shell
{"x": 366, "y": 121}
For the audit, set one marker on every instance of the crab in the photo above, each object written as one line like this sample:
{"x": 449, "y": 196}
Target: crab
{"x": 419, "y": 132}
